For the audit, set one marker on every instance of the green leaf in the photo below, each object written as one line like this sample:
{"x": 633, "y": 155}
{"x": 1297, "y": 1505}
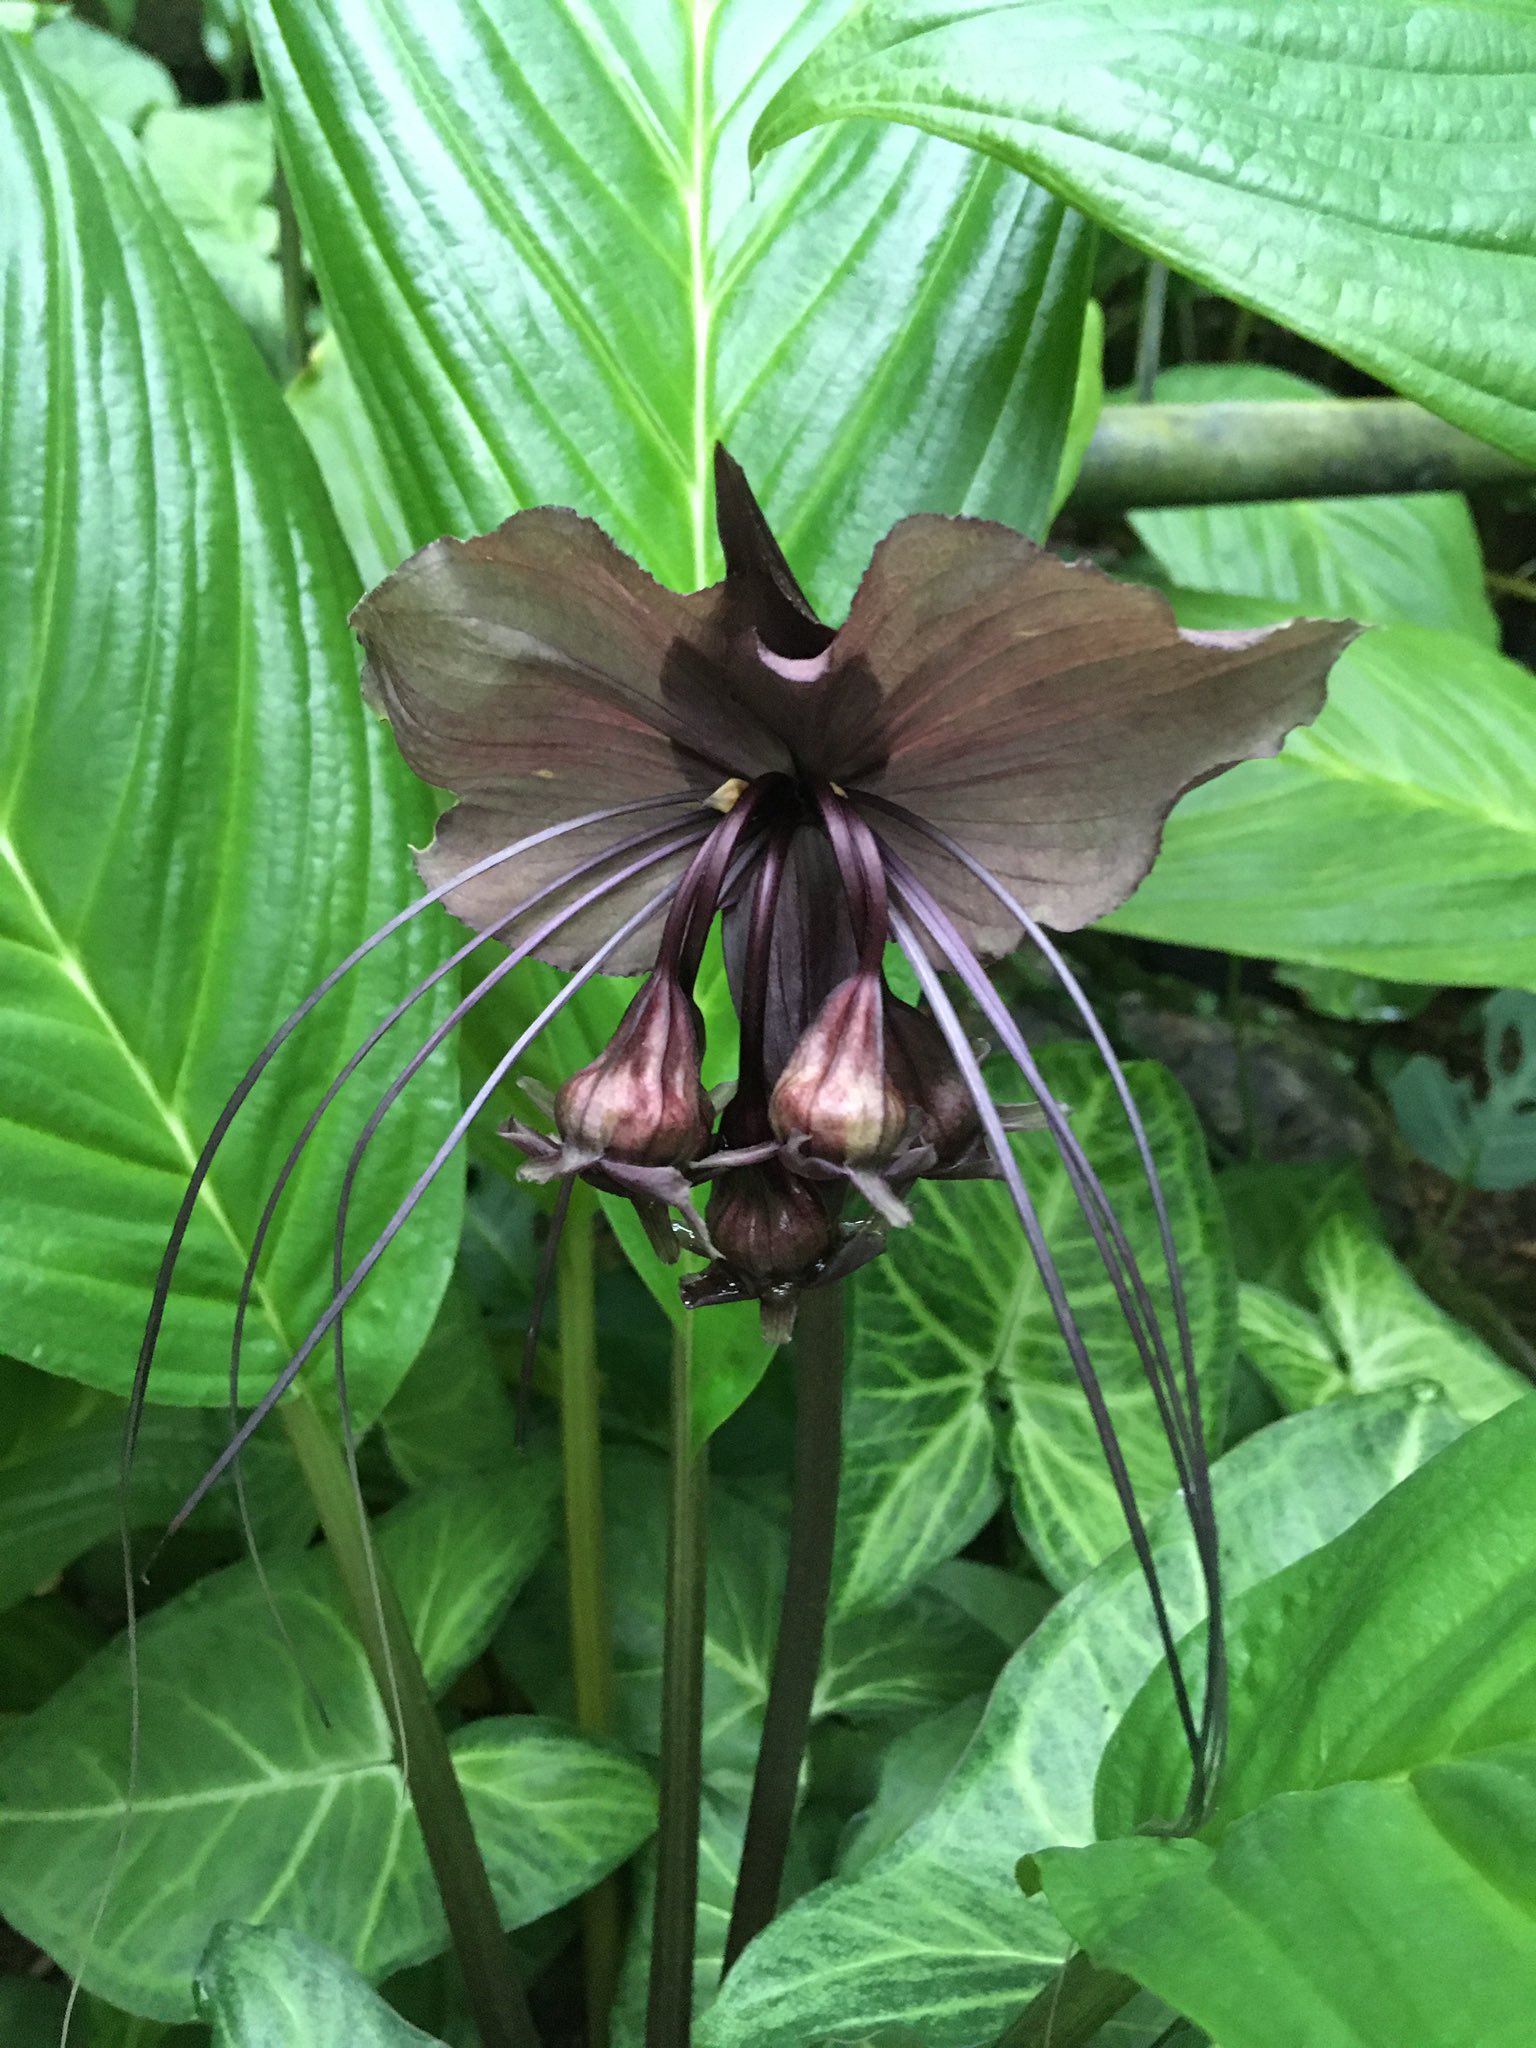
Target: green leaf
{"x": 43, "y": 1641}
{"x": 248, "y": 1806}
{"x": 452, "y": 1414}
{"x": 458, "y": 1553}
{"x": 1386, "y": 561}
{"x": 266, "y": 1987}
{"x": 911, "y": 1774}
{"x": 1347, "y": 167}
{"x": 729, "y": 1355}
{"x": 1289, "y": 1348}
{"x": 214, "y": 167}
{"x": 1388, "y": 1331}
{"x": 921, "y": 1653}
{"x": 548, "y": 268}
{"x": 935, "y": 1933}
{"x": 324, "y": 401}
{"x": 1485, "y": 1137}
{"x": 1412, "y": 784}
{"x": 1087, "y": 404}
{"x": 116, "y": 81}
{"x": 198, "y": 816}
{"x": 1384, "y": 1749}
{"x": 67, "y": 1497}
{"x": 953, "y": 1322}
{"x": 31, "y": 2014}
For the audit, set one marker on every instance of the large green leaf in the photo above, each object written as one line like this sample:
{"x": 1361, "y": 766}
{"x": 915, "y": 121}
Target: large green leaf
{"x": 266, "y": 1987}
{"x": 1411, "y": 561}
{"x": 1349, "y": 167}
{"x": 1372, "y": 1845}
{"x": 535, "y": 232}
{"x": 1395, "y": 837}
{"x": 953, "y": 1323}
{"x": 248, "y": 1806}
{"x": 196, "y": 818}
{"x": 935, "y": 1934}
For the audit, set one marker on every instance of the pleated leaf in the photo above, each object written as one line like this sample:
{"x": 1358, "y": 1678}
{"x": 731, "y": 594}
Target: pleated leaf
{"x": 1356, "y": 169}
{"x": 196, "y": 819}
{"x": 555, "y": 281}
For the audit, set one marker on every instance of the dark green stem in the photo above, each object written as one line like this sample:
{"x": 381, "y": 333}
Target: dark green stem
{"x": 1149, "y": 336}
{"x": 495, "y": 1995}
{"x": 818, "y": 1357}
{"x": 290, "y": 257}
{"x": 591, "y": 1645}
{"x": 669, "y": 2012}
{"x": 1071, "y": 2009}
{"x": 1237, "y": 1017}
{"x": 1246, "y": 451}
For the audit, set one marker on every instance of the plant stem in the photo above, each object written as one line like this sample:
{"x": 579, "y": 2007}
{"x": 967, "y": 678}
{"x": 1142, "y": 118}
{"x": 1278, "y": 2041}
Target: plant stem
{"x": 1249, "y": 451}
{"x": 591, "y": 1647}
{"x": 1149, "y": 336}
{"x": 669, "y": 2010}
{"x": 818, "y": 1357}
{"x": 1072, "y": 2007}
{"x": 1237, "y": 1017}
{"x": 290, "y": 256}
{"x": 496, "y": 1997}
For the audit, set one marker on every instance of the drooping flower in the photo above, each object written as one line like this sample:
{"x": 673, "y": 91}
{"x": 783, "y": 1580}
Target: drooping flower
{"x": 989, "y": 744}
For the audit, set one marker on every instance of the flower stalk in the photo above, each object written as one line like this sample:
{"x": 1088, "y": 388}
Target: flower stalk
{"x": 669, "y": 2009}
{"x": 818, "y": 1459}
{"x": 586, "y": 1576}
{"x": 491, "y": 1983}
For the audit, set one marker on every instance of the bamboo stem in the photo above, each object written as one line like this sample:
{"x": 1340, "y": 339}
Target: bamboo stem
{"x": 818, "y": 1357}
{"x": 496, "y": 1997}
{"x": 1251, "y": 451}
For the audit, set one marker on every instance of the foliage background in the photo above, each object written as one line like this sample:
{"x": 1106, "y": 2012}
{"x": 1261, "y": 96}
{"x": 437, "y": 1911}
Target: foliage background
{"x": 548, "y": 254}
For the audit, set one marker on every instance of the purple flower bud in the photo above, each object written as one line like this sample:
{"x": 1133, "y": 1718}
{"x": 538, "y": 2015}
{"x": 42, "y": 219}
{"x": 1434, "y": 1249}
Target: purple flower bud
{"x": 641, "y": 1101}
{"x": 924, "y": 1069}
{"x": 836, "y": 1089}
{"x": 769, "y": 1225}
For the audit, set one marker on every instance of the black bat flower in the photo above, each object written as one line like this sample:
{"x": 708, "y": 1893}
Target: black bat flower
{"x": 989, "y": 744}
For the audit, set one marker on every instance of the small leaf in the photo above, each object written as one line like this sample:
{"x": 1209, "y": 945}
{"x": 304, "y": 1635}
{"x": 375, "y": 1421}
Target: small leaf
{"x": 456, "y": 1555}
{"x": 1486, "y": 1139}
{"x": 1390, "y": 1334}
{"x": 117, "y": 82}
{"x": 214, "y": 167}
{"x": 266, "y": 1986}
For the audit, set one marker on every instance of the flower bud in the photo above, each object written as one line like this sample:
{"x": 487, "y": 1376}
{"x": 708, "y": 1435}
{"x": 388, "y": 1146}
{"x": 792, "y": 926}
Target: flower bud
{"x": 924, "y": 1068}
{"x": 836, "y": 1089}
{"x": 768, "y": 1225}
{"x": 641, "y": 1101}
